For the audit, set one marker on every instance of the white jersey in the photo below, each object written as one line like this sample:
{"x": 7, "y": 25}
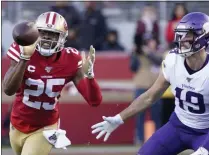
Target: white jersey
{"x": 191, "y": 91}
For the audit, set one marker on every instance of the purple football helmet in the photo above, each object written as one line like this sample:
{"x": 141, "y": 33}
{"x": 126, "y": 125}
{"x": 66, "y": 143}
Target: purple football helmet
{"x": 192, "y": 33}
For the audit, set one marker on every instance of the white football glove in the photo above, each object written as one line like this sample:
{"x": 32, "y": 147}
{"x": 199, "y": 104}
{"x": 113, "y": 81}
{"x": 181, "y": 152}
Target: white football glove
{"x": 107, "y": 126}
{"x": 27, "y": 51}
{"x": 88, "y": 63}
{"x": 201, "y": 151}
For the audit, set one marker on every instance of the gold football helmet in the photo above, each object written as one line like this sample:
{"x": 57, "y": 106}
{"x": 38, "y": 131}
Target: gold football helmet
{"x": 53, "y": 31}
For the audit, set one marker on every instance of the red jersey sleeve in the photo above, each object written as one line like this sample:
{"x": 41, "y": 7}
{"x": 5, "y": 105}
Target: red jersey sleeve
{"x": 76, "y": 55}
{"x": 14, "y": 52}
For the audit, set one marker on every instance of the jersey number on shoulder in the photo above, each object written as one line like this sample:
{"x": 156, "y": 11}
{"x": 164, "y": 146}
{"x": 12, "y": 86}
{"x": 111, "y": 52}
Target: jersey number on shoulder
{"x": 73, "y": 50}
{"x": 191, "y": 101}
{"x": 41, "y": 88}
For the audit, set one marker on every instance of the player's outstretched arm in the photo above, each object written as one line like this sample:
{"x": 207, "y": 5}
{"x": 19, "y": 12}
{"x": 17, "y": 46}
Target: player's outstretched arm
{"x": 13, "y": 77}
{"x": 15, "y": 73}
{"x": 146, "y": 99}
{"x": 85, "y": 81}
{"x": 140, "y": 103}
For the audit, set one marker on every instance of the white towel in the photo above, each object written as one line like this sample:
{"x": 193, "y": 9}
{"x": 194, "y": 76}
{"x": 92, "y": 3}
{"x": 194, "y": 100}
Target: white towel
{"x": 57, "y": 138}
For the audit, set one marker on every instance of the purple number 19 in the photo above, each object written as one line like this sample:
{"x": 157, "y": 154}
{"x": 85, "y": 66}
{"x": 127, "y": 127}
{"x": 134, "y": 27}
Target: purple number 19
{"x": 197, "y": 107}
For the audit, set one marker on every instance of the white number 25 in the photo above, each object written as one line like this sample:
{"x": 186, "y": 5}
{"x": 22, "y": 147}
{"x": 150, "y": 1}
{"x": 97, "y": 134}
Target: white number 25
{"x": 41, "y": 88}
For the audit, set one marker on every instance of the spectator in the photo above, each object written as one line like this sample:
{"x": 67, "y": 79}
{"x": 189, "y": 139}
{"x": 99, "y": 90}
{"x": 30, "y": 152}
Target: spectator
{"x": 69, "y": 12}
{"x": 145, "y": 63}
{"x": 146, "y": 26}
{"x": 178, "y": 12}
{"x": 72, "y": 17}
{"x": 111, "y": 43}
{"x": 72, "y": 39}
{"x": 93, "y": 28}
{"x": 153, "y": 51}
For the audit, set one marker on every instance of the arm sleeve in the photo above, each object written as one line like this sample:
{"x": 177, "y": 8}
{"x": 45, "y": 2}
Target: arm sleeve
{"x": 90, "y": 90}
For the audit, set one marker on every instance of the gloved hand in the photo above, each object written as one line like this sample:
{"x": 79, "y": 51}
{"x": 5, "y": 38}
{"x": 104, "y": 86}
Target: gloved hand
{"x": 201, "y": 151}
{"x": 88, "y": 63}
{"x": 27, "y": 51}
{"x": 107, "y": 126}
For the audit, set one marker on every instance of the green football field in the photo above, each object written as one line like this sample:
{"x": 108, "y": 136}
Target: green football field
{"x": 93, "y": 150}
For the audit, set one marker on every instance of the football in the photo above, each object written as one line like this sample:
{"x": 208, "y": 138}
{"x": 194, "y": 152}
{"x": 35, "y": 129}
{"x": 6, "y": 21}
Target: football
{"x": 25, "y": 33}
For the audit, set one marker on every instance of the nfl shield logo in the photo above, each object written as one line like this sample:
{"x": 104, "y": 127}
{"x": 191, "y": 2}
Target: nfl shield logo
{"x": 188, "y": 79}
{"x": 48, "y": 69}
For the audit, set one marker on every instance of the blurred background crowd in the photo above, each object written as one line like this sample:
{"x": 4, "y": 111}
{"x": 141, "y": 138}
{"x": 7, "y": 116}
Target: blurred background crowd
{"x": 108, "y": 25}
{"x": 135, "y": 34}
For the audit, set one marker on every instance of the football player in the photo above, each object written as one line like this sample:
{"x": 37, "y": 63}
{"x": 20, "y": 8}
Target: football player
{"x": 185, "y": 69}
{"x": 37, "y": 75}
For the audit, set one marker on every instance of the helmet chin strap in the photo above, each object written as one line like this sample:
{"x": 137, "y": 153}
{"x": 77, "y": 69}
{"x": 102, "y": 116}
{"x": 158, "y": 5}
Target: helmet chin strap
{"x": 45, "y": 52}
{"x": 185, "y": 53}
{"x": 188, "y": 52}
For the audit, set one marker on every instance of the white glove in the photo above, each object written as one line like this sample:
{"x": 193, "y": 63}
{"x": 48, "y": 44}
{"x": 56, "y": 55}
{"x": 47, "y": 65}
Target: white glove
{"x": 107, "y": 126}
{"x": 201, "y": 151}
{"x": 27, "y": 51}
{"x": 88, "y": 63}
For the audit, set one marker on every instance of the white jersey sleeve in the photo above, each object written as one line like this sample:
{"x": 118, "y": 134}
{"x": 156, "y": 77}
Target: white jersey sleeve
{"x": 168, "y": 65}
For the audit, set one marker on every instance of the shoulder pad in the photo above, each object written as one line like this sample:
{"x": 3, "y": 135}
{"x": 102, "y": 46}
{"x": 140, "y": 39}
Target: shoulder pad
{"x": 175, "y": 50}
{"x": 74, "y": 54}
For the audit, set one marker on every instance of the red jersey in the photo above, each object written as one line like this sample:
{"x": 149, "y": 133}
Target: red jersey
{"x": 35, "y": 105}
